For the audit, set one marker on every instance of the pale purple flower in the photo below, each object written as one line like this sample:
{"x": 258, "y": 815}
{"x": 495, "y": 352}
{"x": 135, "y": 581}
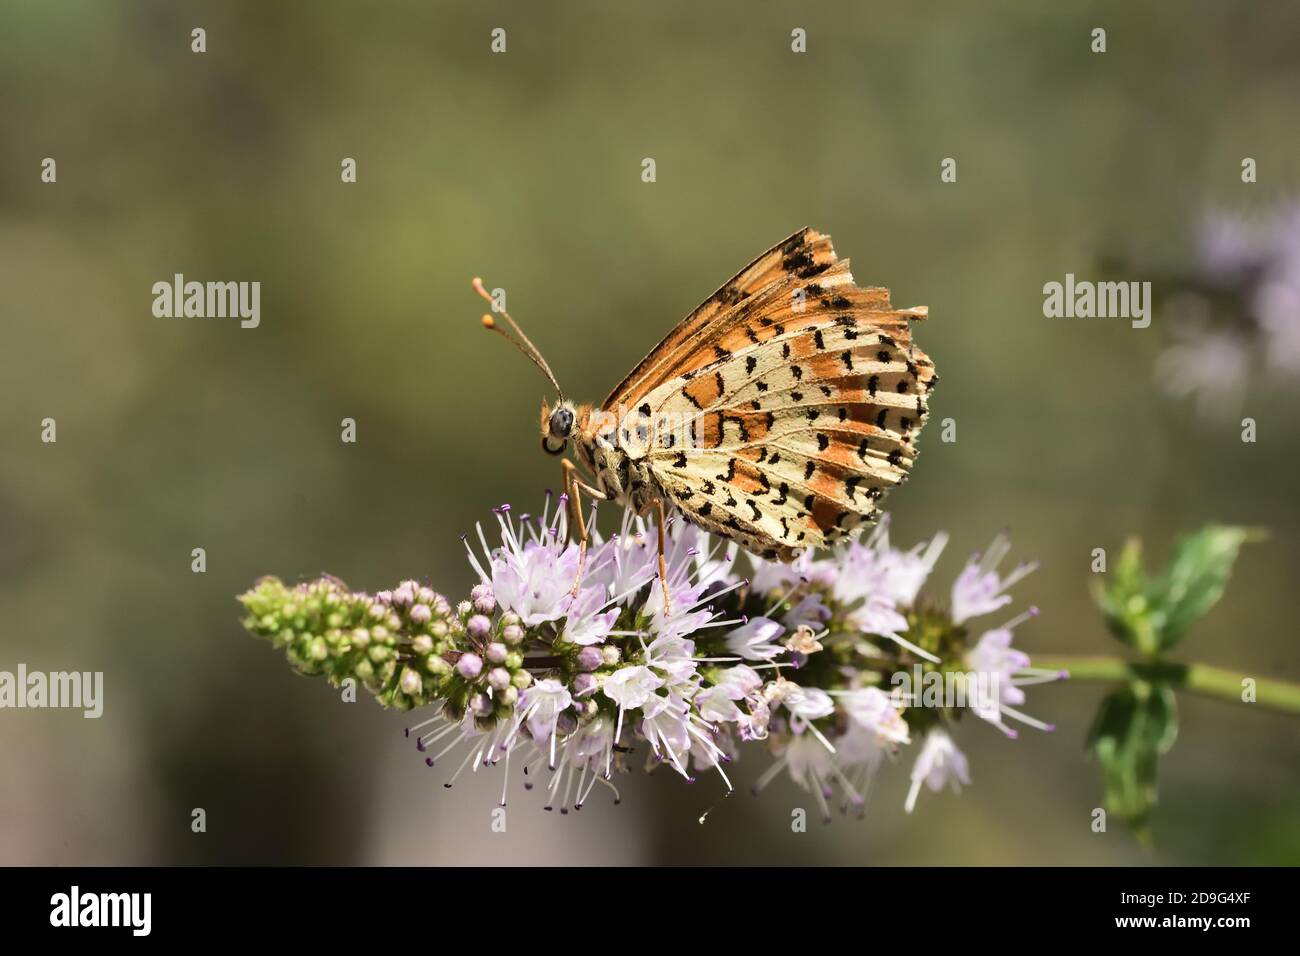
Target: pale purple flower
{"x": 1253, "y": 263}
{"x": 805, "y": 704}
{"x": 756, "y": 640}
{"x": 683, "y": 616}
{"x": 774, "y": 575}
{"x": 810, "y": 612}
{"x": 998, "y": 671}
{"x": 718, "y": 701}
{"x": 675, "y": 658}
{"x": 906, "y": 571}
{"x": 665, "y": 723}
{"x": 540, "y": 707}
{"x": 978, "y": 589}
{"x": 709, "y": 748}
{"x": 939, "y": 764}
{"x": 533, "y": 571}
{"x": 469, "y": 666}
{"x": 1277, "y": 306}
{"x": 625, "y": 563}
{"x": 879, "y": 617}
{"x": 535, "y": 583}
{"x": 874, "y": 711}
{"x": 591, "y": 748}
{"x": 713, "y": 568}
{"x": 1229, "y": 248}
{"x": 588, "y": 621}
{"x": 483, "y": 598}
{"x": 589, "y": 658}
{"x": 665, "y": 672}
{"x": 810, "y": 764}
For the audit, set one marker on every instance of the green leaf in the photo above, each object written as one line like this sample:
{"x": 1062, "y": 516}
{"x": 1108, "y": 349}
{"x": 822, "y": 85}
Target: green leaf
{"x": 1197, "y": 576}
{"x": 1125, "y": 600}
{"x": 1153, "y": 614}
{"x": 1134, "y": 726}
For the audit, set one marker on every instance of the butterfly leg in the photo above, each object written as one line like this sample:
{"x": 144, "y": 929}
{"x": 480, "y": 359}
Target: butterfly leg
{"x": 573, "y": 488}
{"x": 663, "y": 562}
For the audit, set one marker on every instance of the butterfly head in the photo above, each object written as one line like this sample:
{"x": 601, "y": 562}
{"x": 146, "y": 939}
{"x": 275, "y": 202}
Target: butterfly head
{"x": 558, "y": 425}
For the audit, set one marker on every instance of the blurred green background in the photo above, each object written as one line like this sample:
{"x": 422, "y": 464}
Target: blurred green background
{"x": 525, "y": 168}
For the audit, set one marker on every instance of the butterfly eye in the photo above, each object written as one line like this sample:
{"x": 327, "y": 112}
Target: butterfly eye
{"x": 562, "y": 422}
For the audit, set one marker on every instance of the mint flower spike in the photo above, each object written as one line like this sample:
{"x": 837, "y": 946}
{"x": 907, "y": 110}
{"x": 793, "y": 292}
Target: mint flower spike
{"x": 394, "y": 644}
{"x": 831, "y": 664}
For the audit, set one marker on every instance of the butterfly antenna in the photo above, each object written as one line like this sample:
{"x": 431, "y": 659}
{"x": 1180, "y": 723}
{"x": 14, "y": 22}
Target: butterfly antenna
{"x": 523, "y": 343}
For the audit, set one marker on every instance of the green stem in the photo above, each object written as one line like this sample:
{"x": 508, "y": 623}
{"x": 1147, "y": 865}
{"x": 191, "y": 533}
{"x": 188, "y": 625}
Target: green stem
{"x": 1202, "y": 679}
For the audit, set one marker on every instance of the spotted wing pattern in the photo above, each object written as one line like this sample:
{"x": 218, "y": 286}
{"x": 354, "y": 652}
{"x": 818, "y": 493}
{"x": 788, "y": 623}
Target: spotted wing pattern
{"x": 795, "y": 283}
{"x": 807, "y": 396}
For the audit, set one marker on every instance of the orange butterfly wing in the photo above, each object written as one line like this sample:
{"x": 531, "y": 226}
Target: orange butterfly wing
{"x": 806, "y": 260}
{"x": 806, "y": 394}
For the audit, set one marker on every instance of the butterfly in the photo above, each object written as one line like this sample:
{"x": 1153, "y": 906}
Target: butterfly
{"x": 776, "y": 415}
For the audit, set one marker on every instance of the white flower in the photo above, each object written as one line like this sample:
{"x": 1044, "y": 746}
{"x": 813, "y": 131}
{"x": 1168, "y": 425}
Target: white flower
{"x": 710, "y": 748}
{"x": 665, "y": 723}
{"x": 978, "y": 589}
{"x": 587, "y": 624}
{"x": 540, "y": 706}
{"x": 534, "y": 582}
{"x": 873, "y": 710}
{"x": 675, "y": 656}
{"x": 906, "y": 571}
{"x": 631, "y": 687}
{"x": 879, "y": 617}
{"x": 681, "y": 618}
{"x": 861, "y": 749}
{"x": 775, "y": 576}
{"x": 586, "y": 754}
{"x": 533, "y": 571}
{"x": 879, "y": 580}
{"x": 810, "y": 763}
{"x": 1277, "y": 305}
{"x": 816, "y": 767}
{"x": 717, "y": 704}
{"x": 626, "y": 562}
{"x": 714, "y": 571}
{"x": 807, "y": 704}
{"x": 873, "y": 570}
{"x": 592, "y": 744}
{"x": 756, "y": 639}
{"x": 940, "y": 763}
{"x": 1211, "y": 366}
{"x": 718, "y": 701}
